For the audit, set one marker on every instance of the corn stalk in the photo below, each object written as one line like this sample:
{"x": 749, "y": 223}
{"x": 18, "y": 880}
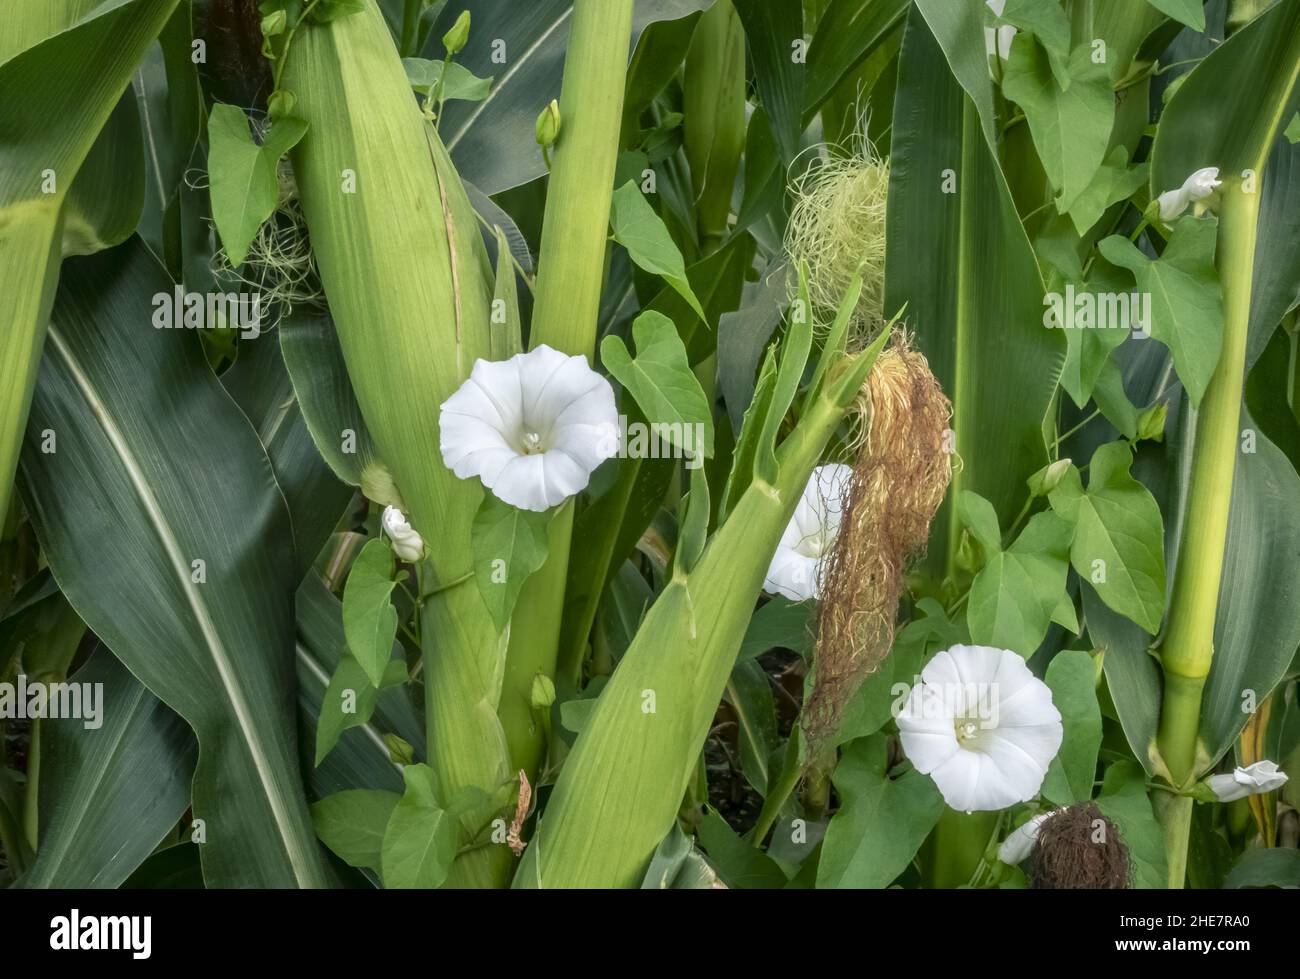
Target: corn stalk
{"x": 1187, "y": 652}
{"x": 409, "y": 286}
{"x": 570, "y": 274}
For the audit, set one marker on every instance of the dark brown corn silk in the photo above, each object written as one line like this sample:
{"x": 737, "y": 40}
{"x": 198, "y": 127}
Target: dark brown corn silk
{"x": 899, "y": 478}
{"x": 1079, "y": 848}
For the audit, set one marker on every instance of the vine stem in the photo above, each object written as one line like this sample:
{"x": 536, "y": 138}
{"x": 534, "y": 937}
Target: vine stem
{"x": 288, "y": 40}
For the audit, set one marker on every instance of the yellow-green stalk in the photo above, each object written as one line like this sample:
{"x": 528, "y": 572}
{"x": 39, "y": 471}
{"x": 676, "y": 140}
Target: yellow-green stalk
{"x": 61, "y": 74}
{"x": 409, "y": 287}
{"x": 1187, "y": 651}
{"x": 570, "y": 274}
{"x": 1189, "y": 642}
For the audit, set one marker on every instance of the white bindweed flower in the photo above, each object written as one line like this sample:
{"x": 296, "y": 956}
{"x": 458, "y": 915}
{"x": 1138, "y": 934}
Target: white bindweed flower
{"x": 795, "y": 571}
{"x": 1197, "y": 187}
{"x": 1262, "y": 776}
{"x": 998, "y": 39}
{"x": 982, "y": 726}
{"x": 407, "y": 544}
{"x": 533, "y": 427}
{"x": 1020, "y": 841}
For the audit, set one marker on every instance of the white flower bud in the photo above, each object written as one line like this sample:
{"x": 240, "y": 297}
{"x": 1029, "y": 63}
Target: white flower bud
{"x": 1262, "y": 776}
{"x": 1197, "y": 187}
{"x": 1020, "y": 841}
{"x": 407, "y": 544}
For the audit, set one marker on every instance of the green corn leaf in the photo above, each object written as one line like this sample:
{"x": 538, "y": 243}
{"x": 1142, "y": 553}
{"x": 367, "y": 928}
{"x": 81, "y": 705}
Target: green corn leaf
{"x": 737, "y": 862}
{"x": 642, "y": 232}
{"x": 507, "y": 330}
{"x": 63, "y": 69}
{"x": 694, "y": 525}
{"x": 789, "y": 375}
{"x": 221, "y": 653}
{"x": 678, "y": 865}
{"x": 109, "y": 794}
{"x": 750, "y": 694}
{"x": 745, "y": 453}
{"x": 661, "y": 380}
{"x": 369, "y": 617}
{"x": 957, "y": 254}
{"x": 314, "y": 360}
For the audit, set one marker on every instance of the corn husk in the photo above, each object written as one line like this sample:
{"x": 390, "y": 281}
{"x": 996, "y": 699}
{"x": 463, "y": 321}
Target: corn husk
{"x": 409, "y": 286}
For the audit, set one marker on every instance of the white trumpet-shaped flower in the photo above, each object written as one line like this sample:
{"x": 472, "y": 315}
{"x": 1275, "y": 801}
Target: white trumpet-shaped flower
{"x": 407, "y": 544}
{"x": 982, "y": 726}
{"x": 1197, "y": 187}
{"x": 1020, "y": 841}
{"x": 1256, "y": 779}
{"x": 533, "y": 427}
{"x": 795, "y": 571}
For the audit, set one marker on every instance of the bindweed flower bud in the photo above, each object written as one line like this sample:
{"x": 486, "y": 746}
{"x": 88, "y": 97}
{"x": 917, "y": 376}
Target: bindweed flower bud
{"x": 1020, "y": 841}
{"x": 274, "y": 23}
{"x": 407, "y": 544}
{"x": 399, "y": 750}
{"x": 280, "y": 104}
{"x": 1048, "y": 478}
{"x": 548, "y": 125}
{"x": 1200, "y": 185}
{"x": 1256, "y": 779}
{"x": 1151, "y": 424}
{"x": 454, "y": 40}
{"x": 543, "y": 692}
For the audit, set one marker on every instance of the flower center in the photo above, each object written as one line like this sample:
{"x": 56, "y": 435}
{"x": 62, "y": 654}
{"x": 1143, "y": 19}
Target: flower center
{"x": 532, "y": 443}
{"x": 967, "y": 732}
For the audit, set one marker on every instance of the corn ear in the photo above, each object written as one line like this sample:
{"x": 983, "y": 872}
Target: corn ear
{"x": 623, "y": 783}
{"x": 410, "y": 287}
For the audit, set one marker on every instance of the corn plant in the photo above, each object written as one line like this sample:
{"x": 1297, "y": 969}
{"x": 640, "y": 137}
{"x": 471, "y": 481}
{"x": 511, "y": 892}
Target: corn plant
{"x": 649, "y": 443}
